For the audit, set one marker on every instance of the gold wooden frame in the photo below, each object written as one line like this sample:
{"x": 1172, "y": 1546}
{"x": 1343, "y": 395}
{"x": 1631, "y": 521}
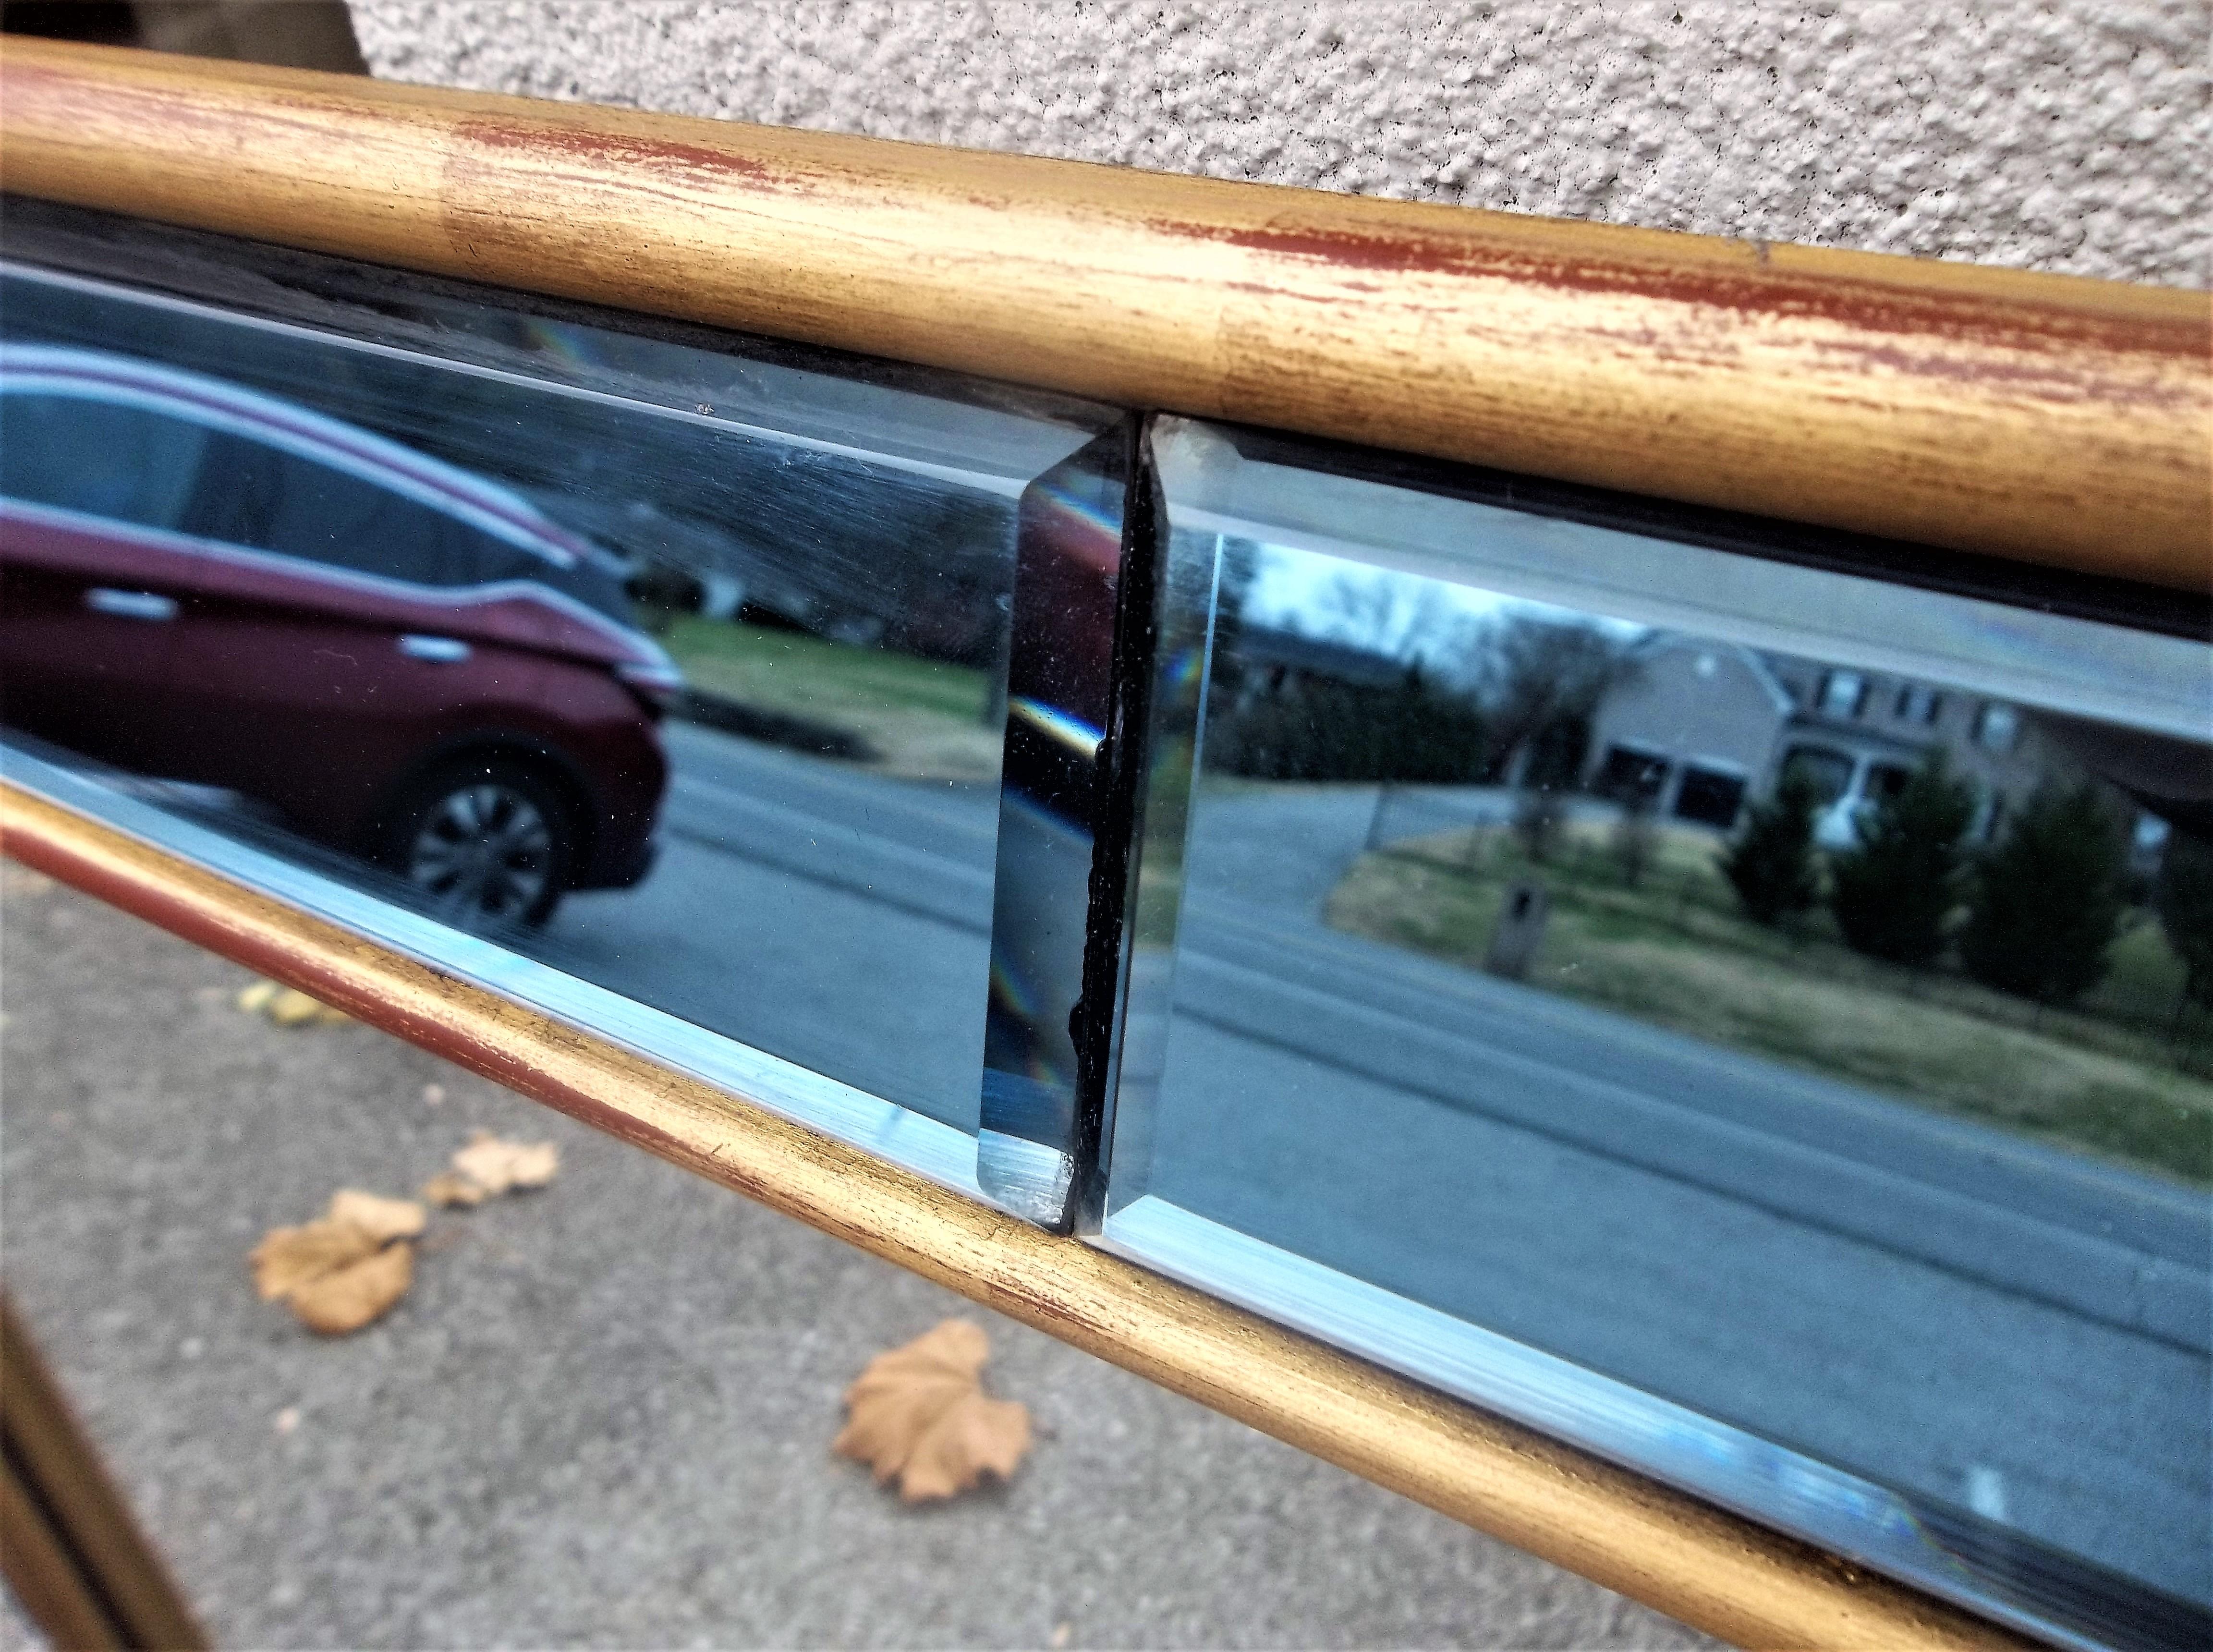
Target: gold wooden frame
{"x": 2040, "y": 416}
{"x": 2058, "y": 421}
{"x": 68, "y": 1544}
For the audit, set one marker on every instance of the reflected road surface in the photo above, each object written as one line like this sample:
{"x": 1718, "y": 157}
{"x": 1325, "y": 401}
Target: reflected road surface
{"x": 1946, "y": 1309}
{"x": 837, "y": 918}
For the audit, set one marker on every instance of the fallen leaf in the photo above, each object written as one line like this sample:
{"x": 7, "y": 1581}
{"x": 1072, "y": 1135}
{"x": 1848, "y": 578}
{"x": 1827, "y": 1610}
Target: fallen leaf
{"x": 498, "y": 1166}
{"x": 450, "y": 1187}
{"x": 22, "y": 880}
{"x": 289, "y": 1257}
{"x": 345, "y": 1270}
{"x": 356, "y": 1294}
{"x": 380, "y": 1218}
{"x": 293, "y": 1007}
{"x": 919, "y": 1413}
{"x": 288, "y": 1006}
{"x": 977, "y": 1437}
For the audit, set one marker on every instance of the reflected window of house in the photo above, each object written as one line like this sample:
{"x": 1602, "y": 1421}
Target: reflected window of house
{"x": 1842, "y": 693}
{"x": 1996, "y": 727}
{"x": 1989, "y": 815}
{"x": 1918, "y": 702}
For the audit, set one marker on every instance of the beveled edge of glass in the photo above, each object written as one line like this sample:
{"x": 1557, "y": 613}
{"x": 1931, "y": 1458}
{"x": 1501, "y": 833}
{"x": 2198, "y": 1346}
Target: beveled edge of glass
{"x": 911, "y": 1140}
{"x": 1740, "y": 1472}
{"x": 1000, "y": 482}
{"x": 816, "y": 388}
{"x": 1174, "y": 725}
{"x": 2086, "y": 666}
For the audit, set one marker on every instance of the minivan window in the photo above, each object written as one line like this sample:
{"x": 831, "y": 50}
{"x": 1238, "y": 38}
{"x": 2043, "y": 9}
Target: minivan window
{"x": 256, "y": 495}
{"x": 127, "y": 464}
{"x": 259, "y": 494}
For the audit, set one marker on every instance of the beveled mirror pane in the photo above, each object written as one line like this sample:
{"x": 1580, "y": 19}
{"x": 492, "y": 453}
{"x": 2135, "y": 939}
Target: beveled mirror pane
{"x": 1746, "y": 1016}
{"x": 672, "y": 662}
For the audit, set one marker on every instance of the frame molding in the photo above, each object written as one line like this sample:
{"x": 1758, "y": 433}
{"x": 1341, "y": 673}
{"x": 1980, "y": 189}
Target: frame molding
{"x": 1716, "y": 1570}
{"x": 70, "y": 1546}
{"x": 2042, "y": 418}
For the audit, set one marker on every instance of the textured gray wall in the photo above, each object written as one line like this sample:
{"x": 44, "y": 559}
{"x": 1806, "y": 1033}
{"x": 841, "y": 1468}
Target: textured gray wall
{"x": 2071, "y": 135}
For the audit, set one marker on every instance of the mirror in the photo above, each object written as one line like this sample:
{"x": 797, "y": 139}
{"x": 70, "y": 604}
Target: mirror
{"x": 1754, "y": 1019}
{"x": 671, "y": 663}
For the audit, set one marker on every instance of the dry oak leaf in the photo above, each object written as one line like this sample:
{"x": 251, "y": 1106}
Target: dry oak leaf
{"x": 382, "y": 1219}
{"x": 498, "y": 1166}
{"x": 919, "y": 1413}
{"x": 343, "y": 1271}
{"x": 288, "y": 1006}
{"x": 357, "y": 1294}
{"x": 289, "y": 1257}
{"x": 450, "y": 1187}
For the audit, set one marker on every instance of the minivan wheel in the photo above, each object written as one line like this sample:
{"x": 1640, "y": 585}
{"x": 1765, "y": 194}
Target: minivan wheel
{"x": 487, "y": 840}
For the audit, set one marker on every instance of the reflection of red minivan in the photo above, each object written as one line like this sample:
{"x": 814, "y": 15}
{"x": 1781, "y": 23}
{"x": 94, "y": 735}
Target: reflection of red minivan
{"x": 207, "y": 584}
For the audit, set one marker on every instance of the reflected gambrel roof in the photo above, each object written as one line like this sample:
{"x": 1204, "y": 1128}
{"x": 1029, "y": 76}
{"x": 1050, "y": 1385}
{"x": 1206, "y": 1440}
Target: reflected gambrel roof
{"x": 1662, "y": 642}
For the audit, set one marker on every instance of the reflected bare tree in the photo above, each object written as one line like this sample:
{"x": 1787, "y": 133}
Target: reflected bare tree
{"x": 1410, "y": 618}
{"x": 1542, "y": 681}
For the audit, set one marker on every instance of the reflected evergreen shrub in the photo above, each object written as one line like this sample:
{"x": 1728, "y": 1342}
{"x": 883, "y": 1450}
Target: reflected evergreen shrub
{"x": 1315, "y": 728}
{"x": 2184, "y": 896}
{"x": 1892, "y": 893}
{"x": 2047, "y": 900}
{"x": 1771, "y": 865}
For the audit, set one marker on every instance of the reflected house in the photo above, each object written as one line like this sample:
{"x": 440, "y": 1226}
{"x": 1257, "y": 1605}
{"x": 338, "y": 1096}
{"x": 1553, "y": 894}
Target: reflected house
{"x": 1704, "y": 727}
{"x": 1691, "y": 733}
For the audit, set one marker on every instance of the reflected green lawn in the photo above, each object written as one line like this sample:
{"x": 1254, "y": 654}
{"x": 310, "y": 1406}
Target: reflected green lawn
{"x": 919, "y": 717}
{"x": 2118, "y": 1073}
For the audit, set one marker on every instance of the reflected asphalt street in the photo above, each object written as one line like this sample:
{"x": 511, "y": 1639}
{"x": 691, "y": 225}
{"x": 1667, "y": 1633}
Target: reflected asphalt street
{"x": 1983, "y": 1321}
{"x": 837, "y": 918}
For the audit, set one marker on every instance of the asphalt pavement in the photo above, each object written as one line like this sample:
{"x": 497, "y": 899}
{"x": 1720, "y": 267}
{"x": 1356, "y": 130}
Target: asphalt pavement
{"x": 602, "y": 1415}
{"x": 838, "y": 918}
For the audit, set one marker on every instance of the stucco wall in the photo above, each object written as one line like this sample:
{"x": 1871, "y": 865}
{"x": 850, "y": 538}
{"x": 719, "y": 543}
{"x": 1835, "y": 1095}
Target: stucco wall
{"x": 2071, "y": 135}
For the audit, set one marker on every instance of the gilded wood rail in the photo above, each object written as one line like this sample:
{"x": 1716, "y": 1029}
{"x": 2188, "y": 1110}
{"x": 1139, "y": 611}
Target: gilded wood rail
{"x": 2046, "y": 418}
